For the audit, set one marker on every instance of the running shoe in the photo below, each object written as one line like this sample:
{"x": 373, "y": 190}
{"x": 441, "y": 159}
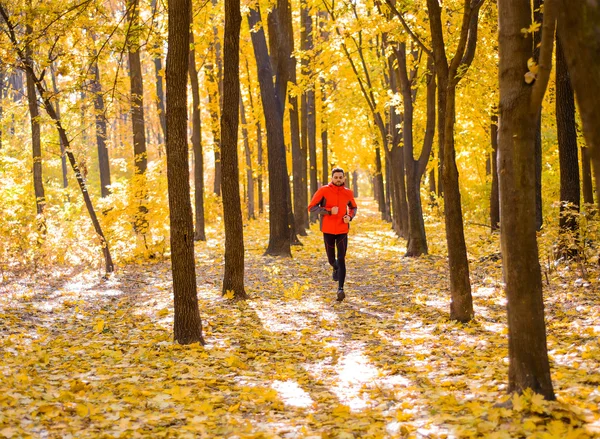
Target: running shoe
{"x": 340, "y": 295}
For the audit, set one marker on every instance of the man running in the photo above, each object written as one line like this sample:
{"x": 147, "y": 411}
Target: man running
{"x": 336, "y": 206}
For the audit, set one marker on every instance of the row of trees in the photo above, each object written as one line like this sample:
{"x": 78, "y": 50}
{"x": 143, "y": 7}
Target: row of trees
{"x": 406, "y": 66}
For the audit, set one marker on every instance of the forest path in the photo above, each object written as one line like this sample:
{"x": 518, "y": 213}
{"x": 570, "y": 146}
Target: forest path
{"x": 85, "y": 357}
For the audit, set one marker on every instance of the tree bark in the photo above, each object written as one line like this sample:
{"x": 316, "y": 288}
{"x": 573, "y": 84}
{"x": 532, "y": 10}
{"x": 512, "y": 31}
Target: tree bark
{"x": 99, "y": 110}
{"x": 461, "y": 306}
{"x": 158, "y": 74}
{"x": 36, "y": 139}
{"x": 494, "y": 196}
{"x": 579, "y": 29}
{"x": 233, "y": 278}
{"x": 140, "y": 159}
{"x": 187, "y": 323}
{"x": 248, "y": 154}
{"x": 586, "y": 176}
{"x": 417, "y": 240}
{"x": 568, "y": 156}
{"x": 63, "y": 157}
{"x": 528, "y": 355}
{"x": 279, "y": 233}
{"x": 199, "y": 230}
{"x": 378, "y": 180}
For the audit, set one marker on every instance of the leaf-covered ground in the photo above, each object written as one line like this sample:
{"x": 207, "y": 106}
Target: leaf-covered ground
{"x": 85, "y": 357}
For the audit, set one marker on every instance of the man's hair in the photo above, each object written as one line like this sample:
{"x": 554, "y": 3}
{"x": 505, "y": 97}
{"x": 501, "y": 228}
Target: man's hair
{"x": 334, "y": 170}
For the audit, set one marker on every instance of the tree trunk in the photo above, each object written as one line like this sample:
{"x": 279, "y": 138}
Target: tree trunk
{"x": 63, "y": 157}
{"x": 586, "y": 176}
{"x": 199, "y": 230}
{"x": 187, "y": 323}
{"x": 494, "y": 196}
{"x": 568, "y": 156}
{"x": 217, "y": 106}
{"x": 461, "y": 306}
{"x": 213, "y": 105}
{"x": 137, "y": 116}
{"x": 279, "y": 233}
{"x": 324, "y": 139}
{"x": 379, "y": 190}
{"x": 36, "y": 140}
{"x": 103, "y": 163}
{"x": 158, "y": 74}
{"x": 578, "y": 30}
{"x": 233, "y": 278}
{"x": 248, "y": 154}
{"x": 261, "y": 168}
{"x": 538, "y": 16}
{"x": 355, "y": 183}
{"x": 528, "y": 355}
{"x": 417, "y": 240}
{"x": 282, "y": 41}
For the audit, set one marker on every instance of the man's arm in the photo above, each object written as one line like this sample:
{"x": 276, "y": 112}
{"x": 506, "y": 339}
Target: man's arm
{"x": 352, "y": 208}
{"x": 317, "y": 204}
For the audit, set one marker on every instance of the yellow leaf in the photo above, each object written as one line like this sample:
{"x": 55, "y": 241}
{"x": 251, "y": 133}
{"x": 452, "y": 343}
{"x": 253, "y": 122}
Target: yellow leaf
{"x": 229, "y": 294}
{"x": 233, "y": 408}
{"x": 8, "y": 432}
{"x": 517, "y": 403}
{"x": 99, "y": 326}
{"x": 82, "y": 410}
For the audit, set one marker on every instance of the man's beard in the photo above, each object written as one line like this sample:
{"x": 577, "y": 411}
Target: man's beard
{"x": 338, "y": 184}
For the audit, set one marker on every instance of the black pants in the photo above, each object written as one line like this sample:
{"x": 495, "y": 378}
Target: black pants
{"x": 341, "y": 243}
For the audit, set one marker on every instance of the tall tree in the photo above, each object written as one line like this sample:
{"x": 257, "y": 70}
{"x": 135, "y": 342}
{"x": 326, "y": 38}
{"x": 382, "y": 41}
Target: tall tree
{"x": 158, "y": 75}
{"x": 137, "y": 113}
{"x": 279, "y": 231}
{"x": 199, "y": 230}
{"x": 233, "y": 278}
{"x": 248, "y": 156}
{"x": 570, "y": 192}
{"x": 36, "y": 139}
{"x": 417, "y": 240}
{"x": 187, "y": 324}
{"x": 494, "y": 196}
{"x": 519, "y": 110}
{"x": 63, "y": 157}
{"x": 578, "y": 30}
{"x": 100, "y": 118}
{"x": 214, "y": 70}
{"x": 448, "y": 76}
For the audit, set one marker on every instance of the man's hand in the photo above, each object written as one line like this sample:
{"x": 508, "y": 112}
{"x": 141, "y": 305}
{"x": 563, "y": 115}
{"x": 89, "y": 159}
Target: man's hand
{"x": 346, "y": 219}
{"x": 334, "y": 210}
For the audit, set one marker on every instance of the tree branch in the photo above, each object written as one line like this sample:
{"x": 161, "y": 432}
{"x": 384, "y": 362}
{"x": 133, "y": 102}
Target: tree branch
{"x": 546, "y": 48}
{"x": 414, "y": 36}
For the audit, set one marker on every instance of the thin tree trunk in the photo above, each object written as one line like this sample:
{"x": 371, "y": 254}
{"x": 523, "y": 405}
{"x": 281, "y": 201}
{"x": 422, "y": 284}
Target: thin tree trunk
{"x": 494, "y": 196}
{"x": 63, "y": 157}
{"x": 379, "y": 190}
{"x": 199, "y": 230}
{"x": 586, "y": 176}
{"x": 527, "y": 349}
{"x": 137, "y": 116}
{"x": 99, "y": 110}
{"x": 578, "y": 30}
{"x": 158, "y": 74}
{"x": 461, "y": 305}
{"x": 36, "y": 140}
{"x": 187, "y": 326}
{"x": 248, "y": 154}
{"x": 233, "y": 278}
{"x": 355, "y": 183}
{"x": 279, "y": 233}
{"x": 261, "y": 168}
{"x": 538, "y": 16}
{"x": 570, "y": 193}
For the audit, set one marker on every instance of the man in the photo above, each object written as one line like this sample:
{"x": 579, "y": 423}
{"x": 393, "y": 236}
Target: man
{"x": 336, "y": 207}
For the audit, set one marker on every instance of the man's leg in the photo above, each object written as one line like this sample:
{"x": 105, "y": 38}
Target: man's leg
{"x": 330, "y": 243}
{"x": 341, "y": 242}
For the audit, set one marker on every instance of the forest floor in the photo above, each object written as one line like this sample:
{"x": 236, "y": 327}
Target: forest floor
{"x": 81, "y": 356}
